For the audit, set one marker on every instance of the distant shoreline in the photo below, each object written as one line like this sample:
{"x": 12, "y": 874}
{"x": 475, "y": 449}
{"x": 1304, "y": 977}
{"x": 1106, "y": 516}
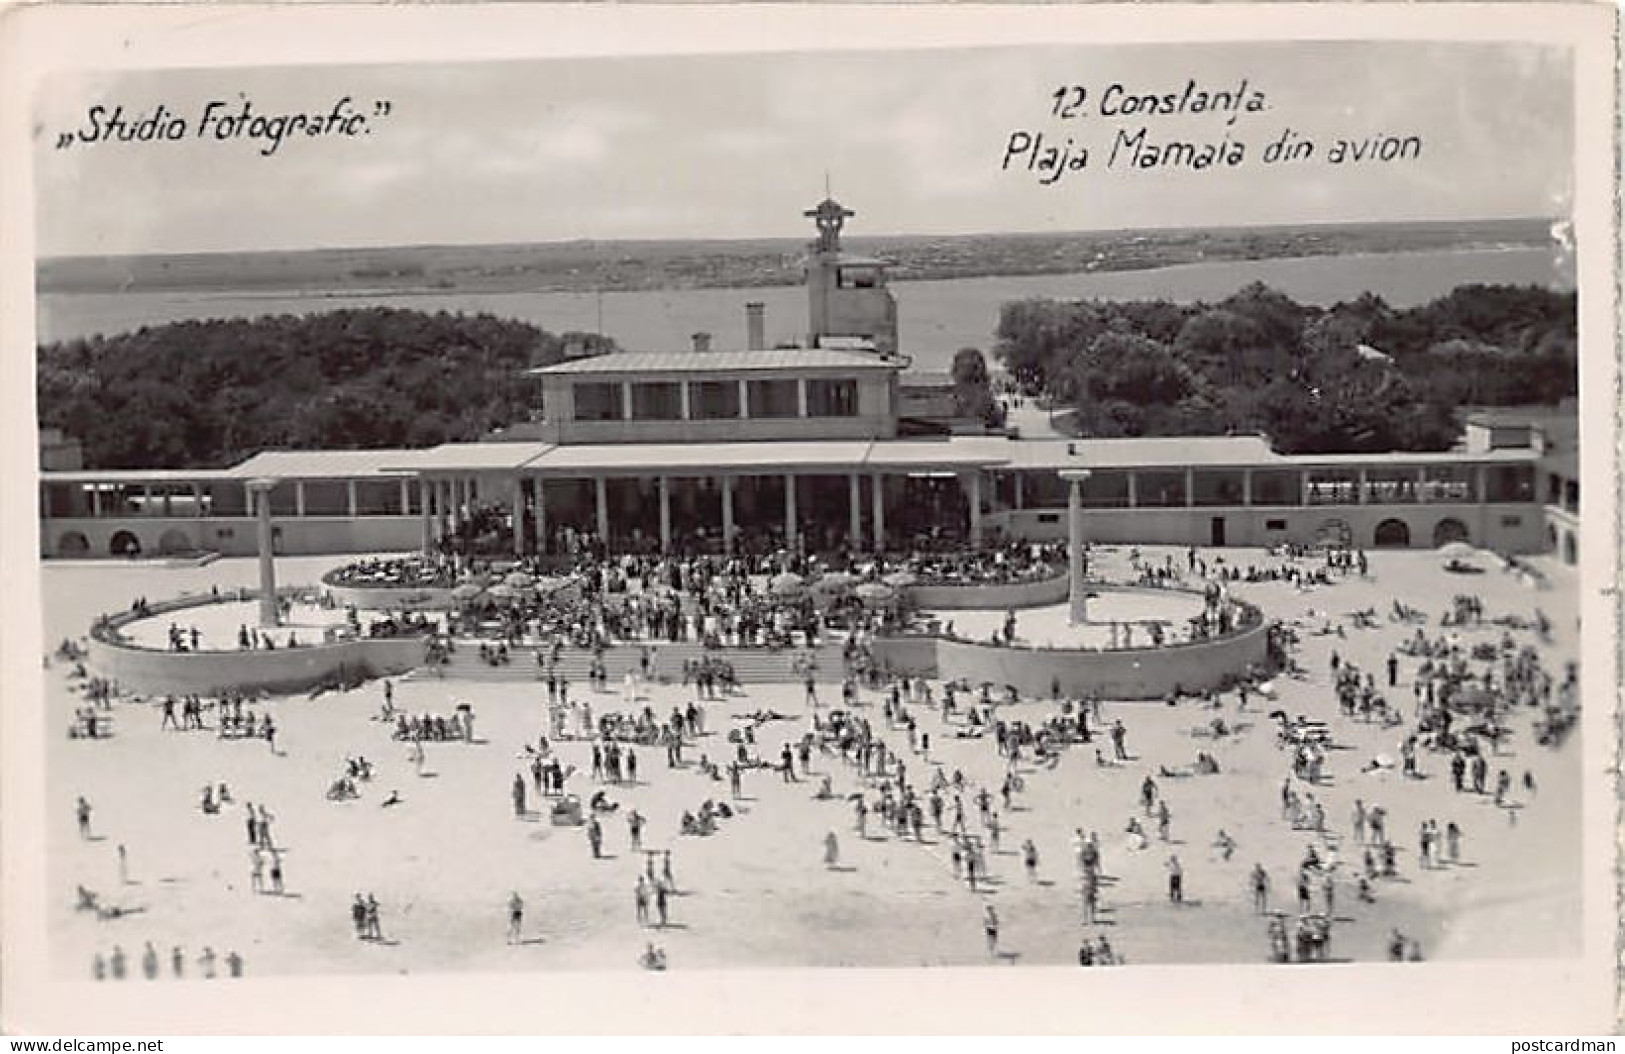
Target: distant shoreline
{"x": 611, "y": 267}
{"x": 406, "y": 292}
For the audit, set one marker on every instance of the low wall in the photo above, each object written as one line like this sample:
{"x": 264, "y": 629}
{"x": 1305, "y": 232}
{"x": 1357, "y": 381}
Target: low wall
{"x": 1127, "y": 673}
{"x": 1009, "y": 595}
{"x": 383, "y": 598}
{"x": 149, "y": 670}
{"x": 282, "y": 670}
{"x": 1138, "y": 673}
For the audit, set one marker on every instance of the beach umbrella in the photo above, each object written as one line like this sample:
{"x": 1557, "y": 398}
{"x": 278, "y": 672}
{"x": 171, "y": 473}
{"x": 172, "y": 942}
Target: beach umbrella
{"x": 899, "y": 579}
{"x": 875, "y": 593}
{"x": 787, "y": 583}
{"x": 835, "y": 582}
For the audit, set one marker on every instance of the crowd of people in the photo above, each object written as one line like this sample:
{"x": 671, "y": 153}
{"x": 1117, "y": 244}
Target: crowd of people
{"x": 1468, "y": 677}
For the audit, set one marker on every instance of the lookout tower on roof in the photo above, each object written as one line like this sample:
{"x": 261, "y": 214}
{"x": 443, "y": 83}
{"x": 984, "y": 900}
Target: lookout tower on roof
{"x": 847, "y": 299}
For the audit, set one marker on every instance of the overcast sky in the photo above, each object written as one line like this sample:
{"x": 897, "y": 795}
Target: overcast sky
{"x": 737, "y": 146}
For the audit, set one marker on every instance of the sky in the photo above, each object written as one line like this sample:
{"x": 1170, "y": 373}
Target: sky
{"x": 737, "y": 146}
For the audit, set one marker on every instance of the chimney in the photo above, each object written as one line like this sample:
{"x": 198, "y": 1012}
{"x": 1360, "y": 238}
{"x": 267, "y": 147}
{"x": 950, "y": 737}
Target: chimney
{"x": 755, "y": 326}
{"x": 702, "y": 341}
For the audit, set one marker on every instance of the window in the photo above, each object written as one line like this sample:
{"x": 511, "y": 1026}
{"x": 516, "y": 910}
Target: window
{"x": 1333, "y": 487}
{"x": 656, "y": 401}
{"x": 1448, "y": 483}
{"x": 832, "y": 398}
{"x": 1510, "y": 483}
{"x": 773, "y": 399}
{"x": 1102, "y": 490}
{"x": 1512, "y": 521}
{"x": 858, "y": 278}
{"x": 1390, "y": 486}
{"x": 714, "y": 400}
{"x": 1275, "y": 525}
{"x": 1277, "y": 488}
{"x": 1164, "y": 489}
{"x": 1049, "y": 517}
{"x": 598, "y": 401}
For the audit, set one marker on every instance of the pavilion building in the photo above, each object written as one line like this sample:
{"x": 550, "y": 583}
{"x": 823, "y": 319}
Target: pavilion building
{"x": 708, "y": 450}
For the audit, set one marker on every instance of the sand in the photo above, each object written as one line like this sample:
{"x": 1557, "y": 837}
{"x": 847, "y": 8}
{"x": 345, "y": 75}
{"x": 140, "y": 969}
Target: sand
{"x": 444, "y": 862}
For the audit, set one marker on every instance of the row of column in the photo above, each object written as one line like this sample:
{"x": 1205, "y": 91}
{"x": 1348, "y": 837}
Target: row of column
{"x": 442, "y": 502}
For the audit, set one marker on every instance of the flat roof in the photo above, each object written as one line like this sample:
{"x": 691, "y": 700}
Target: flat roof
{"x": 471, "y": 457}
{"x": 719, "y": 361}
{"x": 848, "y": 455}
{"x": 137, "y": 475}
{"x": 320, "y": 464}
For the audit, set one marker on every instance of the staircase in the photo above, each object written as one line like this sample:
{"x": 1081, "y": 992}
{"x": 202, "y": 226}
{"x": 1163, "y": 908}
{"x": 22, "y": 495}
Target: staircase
{"x": 751, "y": 665}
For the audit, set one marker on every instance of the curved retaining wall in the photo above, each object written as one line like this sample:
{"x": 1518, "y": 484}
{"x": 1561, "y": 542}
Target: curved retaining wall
{"x": 149, "y": 670}
{"x": 282, "y": 670}
{"x": 1011, "y": 595}
{"x": 1136, "y": 673}
{"x": 385, "y": 598}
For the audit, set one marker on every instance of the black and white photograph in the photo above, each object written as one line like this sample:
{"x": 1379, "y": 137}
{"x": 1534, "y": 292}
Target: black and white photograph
{"x": 852, "y": 494}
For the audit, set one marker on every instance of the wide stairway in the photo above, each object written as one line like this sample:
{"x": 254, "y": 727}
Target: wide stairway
{"x": 751, "y": 665}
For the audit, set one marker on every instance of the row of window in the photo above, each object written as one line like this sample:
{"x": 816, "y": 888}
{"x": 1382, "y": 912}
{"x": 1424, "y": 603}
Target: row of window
{"x": 714, "y": 400}
{"x": 1383, "y": 486}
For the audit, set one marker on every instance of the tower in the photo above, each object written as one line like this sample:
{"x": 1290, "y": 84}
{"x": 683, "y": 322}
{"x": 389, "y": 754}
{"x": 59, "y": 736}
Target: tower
{"x": 847, "y": 298}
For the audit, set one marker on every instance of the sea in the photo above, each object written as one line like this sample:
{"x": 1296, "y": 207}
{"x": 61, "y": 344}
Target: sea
{"x": 936, "y": 318}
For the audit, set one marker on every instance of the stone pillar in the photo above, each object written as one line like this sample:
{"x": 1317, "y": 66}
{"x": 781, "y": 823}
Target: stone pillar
{"x": 299, "y": 498}
{"x": 684, "y": 410}
{"x": 96, "y": 500}
{"x": 1360, "y": 496}
{"x": 1481, "y": 479}
{"x": 790, "y": 511}
{"x": 425, "y": 518}
{"x": 1190, "y": 488}
{"x": 406, "y": 496}
{"x": 854, "y": 512}
{"x": 269, "y": 613}
{"x": 801, "y": 397}
{"x": 601, "y": 489}
{"x": 518, "y": 515}
{"x": 538, "y": 525}
{"x": 626, "y": 400}
{"x": 1077, "y": 591}
{"x": 744, "y": 400}
{"x": 728, "y": 515}
{"x": 169, "y": 508}
{"x": 973, "y": 496}
{"x": 1133, "y": 490}
{"x": 1422, "y": 485}
{"x": 879, "y": 491}
{"x": 665, "y": 514}
{"x": 1246, "y": 486}
{"x": 350, "y": 498}
{"x": 1021, "y": 490}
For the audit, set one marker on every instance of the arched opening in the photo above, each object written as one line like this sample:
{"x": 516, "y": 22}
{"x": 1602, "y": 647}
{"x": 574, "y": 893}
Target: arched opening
{"x": 1571, "y": 548}
{"x": 73, "y": 543}
{"x": 174, "y": 541}
{"x": 124, "y": 543}
{"x": 1450, "y": 530}
{"x": 1392, "y": 534}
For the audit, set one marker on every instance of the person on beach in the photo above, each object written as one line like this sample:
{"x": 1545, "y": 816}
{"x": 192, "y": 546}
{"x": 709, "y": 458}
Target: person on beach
{"x": 516, "y": 917}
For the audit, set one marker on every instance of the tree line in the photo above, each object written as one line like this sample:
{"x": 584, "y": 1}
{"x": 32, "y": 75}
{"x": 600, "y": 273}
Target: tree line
{"x": 1358, "y": 377}
{"x": 210, "y": 393}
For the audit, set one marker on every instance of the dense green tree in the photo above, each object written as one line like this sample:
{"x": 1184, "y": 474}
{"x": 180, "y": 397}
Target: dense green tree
{"x": 212, "y": 392}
